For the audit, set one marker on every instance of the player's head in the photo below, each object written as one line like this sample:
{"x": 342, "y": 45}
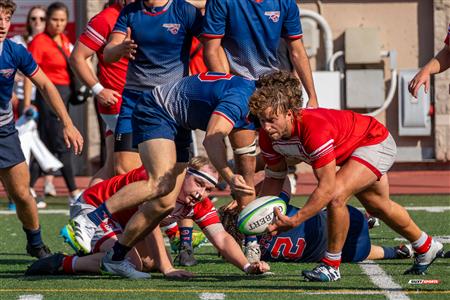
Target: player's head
{"x": 201, "y": 179}
{"x": 7, "y": 8}
{"x": 57, "y": 17}
{"x": 276, "y": 101}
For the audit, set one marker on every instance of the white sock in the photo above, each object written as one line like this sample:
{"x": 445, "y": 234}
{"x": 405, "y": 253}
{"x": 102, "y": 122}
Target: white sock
{"x": 422, "y": 239}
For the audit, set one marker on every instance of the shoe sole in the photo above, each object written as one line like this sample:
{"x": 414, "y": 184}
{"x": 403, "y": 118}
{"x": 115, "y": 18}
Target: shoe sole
{"x": 314, "y": 279}
{"x": 438, "y": 254}
{"x": 68, "y": 234}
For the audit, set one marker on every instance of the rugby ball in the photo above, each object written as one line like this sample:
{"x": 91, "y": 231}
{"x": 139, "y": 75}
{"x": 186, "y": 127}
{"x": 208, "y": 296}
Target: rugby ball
{"x": 255, "y": 217}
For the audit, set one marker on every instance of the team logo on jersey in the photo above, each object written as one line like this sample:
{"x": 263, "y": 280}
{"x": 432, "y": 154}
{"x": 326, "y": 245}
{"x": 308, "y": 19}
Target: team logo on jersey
{"x": 172, "y": 28}
{"x": 274, "y": 16}
{"x": 7, "y": 73}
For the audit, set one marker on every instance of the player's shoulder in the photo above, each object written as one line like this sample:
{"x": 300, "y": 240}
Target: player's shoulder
{"x": 14, "y": 48}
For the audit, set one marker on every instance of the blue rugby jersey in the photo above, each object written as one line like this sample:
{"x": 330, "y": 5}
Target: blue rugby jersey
{"x": 13, "y": 57}
{"x": 164, "y": 36}
{"x": 308, "y": 241}
{"x": 251, "y": 31}
{"x": 191, "y": 101}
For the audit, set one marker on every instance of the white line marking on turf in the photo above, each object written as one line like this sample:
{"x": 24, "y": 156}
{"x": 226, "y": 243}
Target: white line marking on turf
{"x": 444, "y": 239}
{"x": 383, "y": 280}
{"x": 40, "y": 211}
{"x": 31, "y": 297}
{"x": 211, "y": 296}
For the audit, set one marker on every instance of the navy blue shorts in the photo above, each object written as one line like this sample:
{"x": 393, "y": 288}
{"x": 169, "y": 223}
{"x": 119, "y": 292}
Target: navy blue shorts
{"x": 129, "y": 100}
{"x": 357, "y": 245}
{"x": 10, "y": 151}
{"x": 150, "y": 121}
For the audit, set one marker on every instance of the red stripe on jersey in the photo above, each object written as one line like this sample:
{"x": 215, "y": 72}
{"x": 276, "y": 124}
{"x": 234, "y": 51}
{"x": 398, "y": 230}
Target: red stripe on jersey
{"x": 34, "y": 72}
{"x": 212, "y": 36}
{"x": 295, "y": 37}
{"x": 224, "y": 116}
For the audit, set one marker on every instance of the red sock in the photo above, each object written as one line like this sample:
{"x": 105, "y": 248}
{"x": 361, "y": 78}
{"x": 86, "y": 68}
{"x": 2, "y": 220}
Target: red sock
{"x": 425, "y": 246}
{"x": 330, "y": 262}
{"x": 68, "y": 264}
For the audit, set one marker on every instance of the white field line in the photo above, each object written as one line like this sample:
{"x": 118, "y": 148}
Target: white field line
{"x": 392, "y": 290}
{"x": 211, "y": 296}
{"x": 444, "y": 239}
{"x": 31, "y": 297}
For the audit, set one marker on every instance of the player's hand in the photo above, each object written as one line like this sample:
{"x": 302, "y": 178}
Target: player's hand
{"x": 421, "y": 78}
{"x": 312, "y": 102}
{"x": 231, "y": 206}
{"x": 108, "y": 97}
{"x": 128, "y": 46}
{"x": 259, "y": 267}
{"x": 73, "y": 137}
{"x": 282, "y": 223}
{"x": 239, "y": 187}
{"x": 178, "y": 274}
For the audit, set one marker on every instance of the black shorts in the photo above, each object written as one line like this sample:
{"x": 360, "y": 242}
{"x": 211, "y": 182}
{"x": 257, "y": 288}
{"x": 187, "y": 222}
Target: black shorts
{"x": 10, "y": 150}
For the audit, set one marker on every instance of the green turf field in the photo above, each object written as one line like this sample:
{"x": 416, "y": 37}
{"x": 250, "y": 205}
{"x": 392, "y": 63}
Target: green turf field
{"x": 218, "y": 280}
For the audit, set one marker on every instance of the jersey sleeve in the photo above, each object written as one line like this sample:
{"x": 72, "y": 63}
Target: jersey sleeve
{"x": 233, "y": 106}
{"x": 122, "y": 21}
{"x": 96, "y": 33}
{"x": 205, "y": 214}
{"x": 292, "y": 28}
{"x": 194, "y": 20}
{"x": 318, "y": 143}
{"x": 214, "y": 22}
{"x": 270, "y": 156}
{"x": 447, "y": 39}
{"x": 26, "y": 64}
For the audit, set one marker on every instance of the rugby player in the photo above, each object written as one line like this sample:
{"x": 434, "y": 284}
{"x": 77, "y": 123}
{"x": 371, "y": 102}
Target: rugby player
{"x": 192, "y": 202}
{"x": 14, "y": 172}
{"x": 325, "y": 138}
{"x": 108, "y": 86}
{"x": 156, "y": 36}
{"x": 214, "y": 102}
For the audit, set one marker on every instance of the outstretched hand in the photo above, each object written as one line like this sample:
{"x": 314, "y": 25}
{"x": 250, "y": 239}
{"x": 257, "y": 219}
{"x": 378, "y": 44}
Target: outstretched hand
{"x": 239, "y": 187}
{"x": 129, "y": 46}
{"x": 259, "y": 267}
{"x": 178, "y": 274}
{"x": 281, "y": 223}
{"x": 421, "y": 78}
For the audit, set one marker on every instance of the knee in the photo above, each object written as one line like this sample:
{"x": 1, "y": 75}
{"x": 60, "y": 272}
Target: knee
{"x": 157, "y": 188}
{"x": 338, "y": 201}
{"x": 21, "y": 195}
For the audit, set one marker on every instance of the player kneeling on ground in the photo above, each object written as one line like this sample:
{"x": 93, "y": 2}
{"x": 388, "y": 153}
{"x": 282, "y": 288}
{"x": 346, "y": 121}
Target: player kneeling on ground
{"x": 192, "y": 202}
{"x": 326, "y": 138}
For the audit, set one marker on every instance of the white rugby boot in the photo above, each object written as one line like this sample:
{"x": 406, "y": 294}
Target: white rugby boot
{"x": 423, "y": 261}
{"x": 83, "y": 230}
{"x": 252, "y": 251}
{"x": 122, "y": 268}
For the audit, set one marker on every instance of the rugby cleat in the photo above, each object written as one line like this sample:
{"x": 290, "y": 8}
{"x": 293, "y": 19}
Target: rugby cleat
{"x": 50, "y": 265}
{"x": 122, "y": 268}
{"x": 252, "y": 251}
{"x": 83, "y": 230}
{"x": 39, "y": 252}
{"x": 423, "y": 261}
{"x": 69, "y": 238}
{"x": 404, "y": 251}
{"x": 322, "y": 273}
{"x": 186, "y": 256}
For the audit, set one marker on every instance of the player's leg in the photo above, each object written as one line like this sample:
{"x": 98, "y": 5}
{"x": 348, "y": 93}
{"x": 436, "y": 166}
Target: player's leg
{"x": 16, "y": 180}
{"x": 351, "y": 178}
{"x": 107, "y": 170}
{"x": 377, "y": 202}
{"x": 186, "y": 251}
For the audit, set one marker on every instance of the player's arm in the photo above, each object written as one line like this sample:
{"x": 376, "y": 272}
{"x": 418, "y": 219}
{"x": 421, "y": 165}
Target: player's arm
{"x": 48, "y": 90}
{"x": 320, "y": 198}
{"x": 157, "y": 251}
{"x": 231, "y": 251}
{"x": 119, "y": 45}
{"x": 79, "y": 63}
{"x": 214, "y": 143}
{"x": 275, "y": 176}
{"x": 437, "y": 64}
{"x": 214, "y": 55}
{"x": 300, "y": 60}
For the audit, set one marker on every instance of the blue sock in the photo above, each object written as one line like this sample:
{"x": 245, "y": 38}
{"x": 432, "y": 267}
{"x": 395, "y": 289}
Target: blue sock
{"x": 97, "y": 216}
{"x": 389, "y": 253}
{"x": 34, "y": 238}
{"x": 120, "y": 251}
{"x": 250, "y": 238}
{"x": 186, "y": 235}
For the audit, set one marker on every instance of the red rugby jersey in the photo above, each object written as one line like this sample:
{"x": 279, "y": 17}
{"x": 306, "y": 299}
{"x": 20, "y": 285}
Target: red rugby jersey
{"x": 203, "y": 213}
{"x": 321, "y": 135}
{"x": 95, "y": 36}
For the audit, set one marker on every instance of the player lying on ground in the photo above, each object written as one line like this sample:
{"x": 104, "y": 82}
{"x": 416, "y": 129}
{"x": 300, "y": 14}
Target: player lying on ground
{"x": 192, "y": 202}
{"x": 308, "y": 241}
{"x": 326, "y": 138}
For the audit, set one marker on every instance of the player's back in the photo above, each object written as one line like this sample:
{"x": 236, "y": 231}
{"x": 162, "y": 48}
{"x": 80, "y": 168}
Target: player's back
{"x": 192, "y": 100}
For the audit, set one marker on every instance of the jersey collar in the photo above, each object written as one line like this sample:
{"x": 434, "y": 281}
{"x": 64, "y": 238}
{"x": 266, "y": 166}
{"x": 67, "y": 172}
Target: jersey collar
{"x": 153, "y": 12}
